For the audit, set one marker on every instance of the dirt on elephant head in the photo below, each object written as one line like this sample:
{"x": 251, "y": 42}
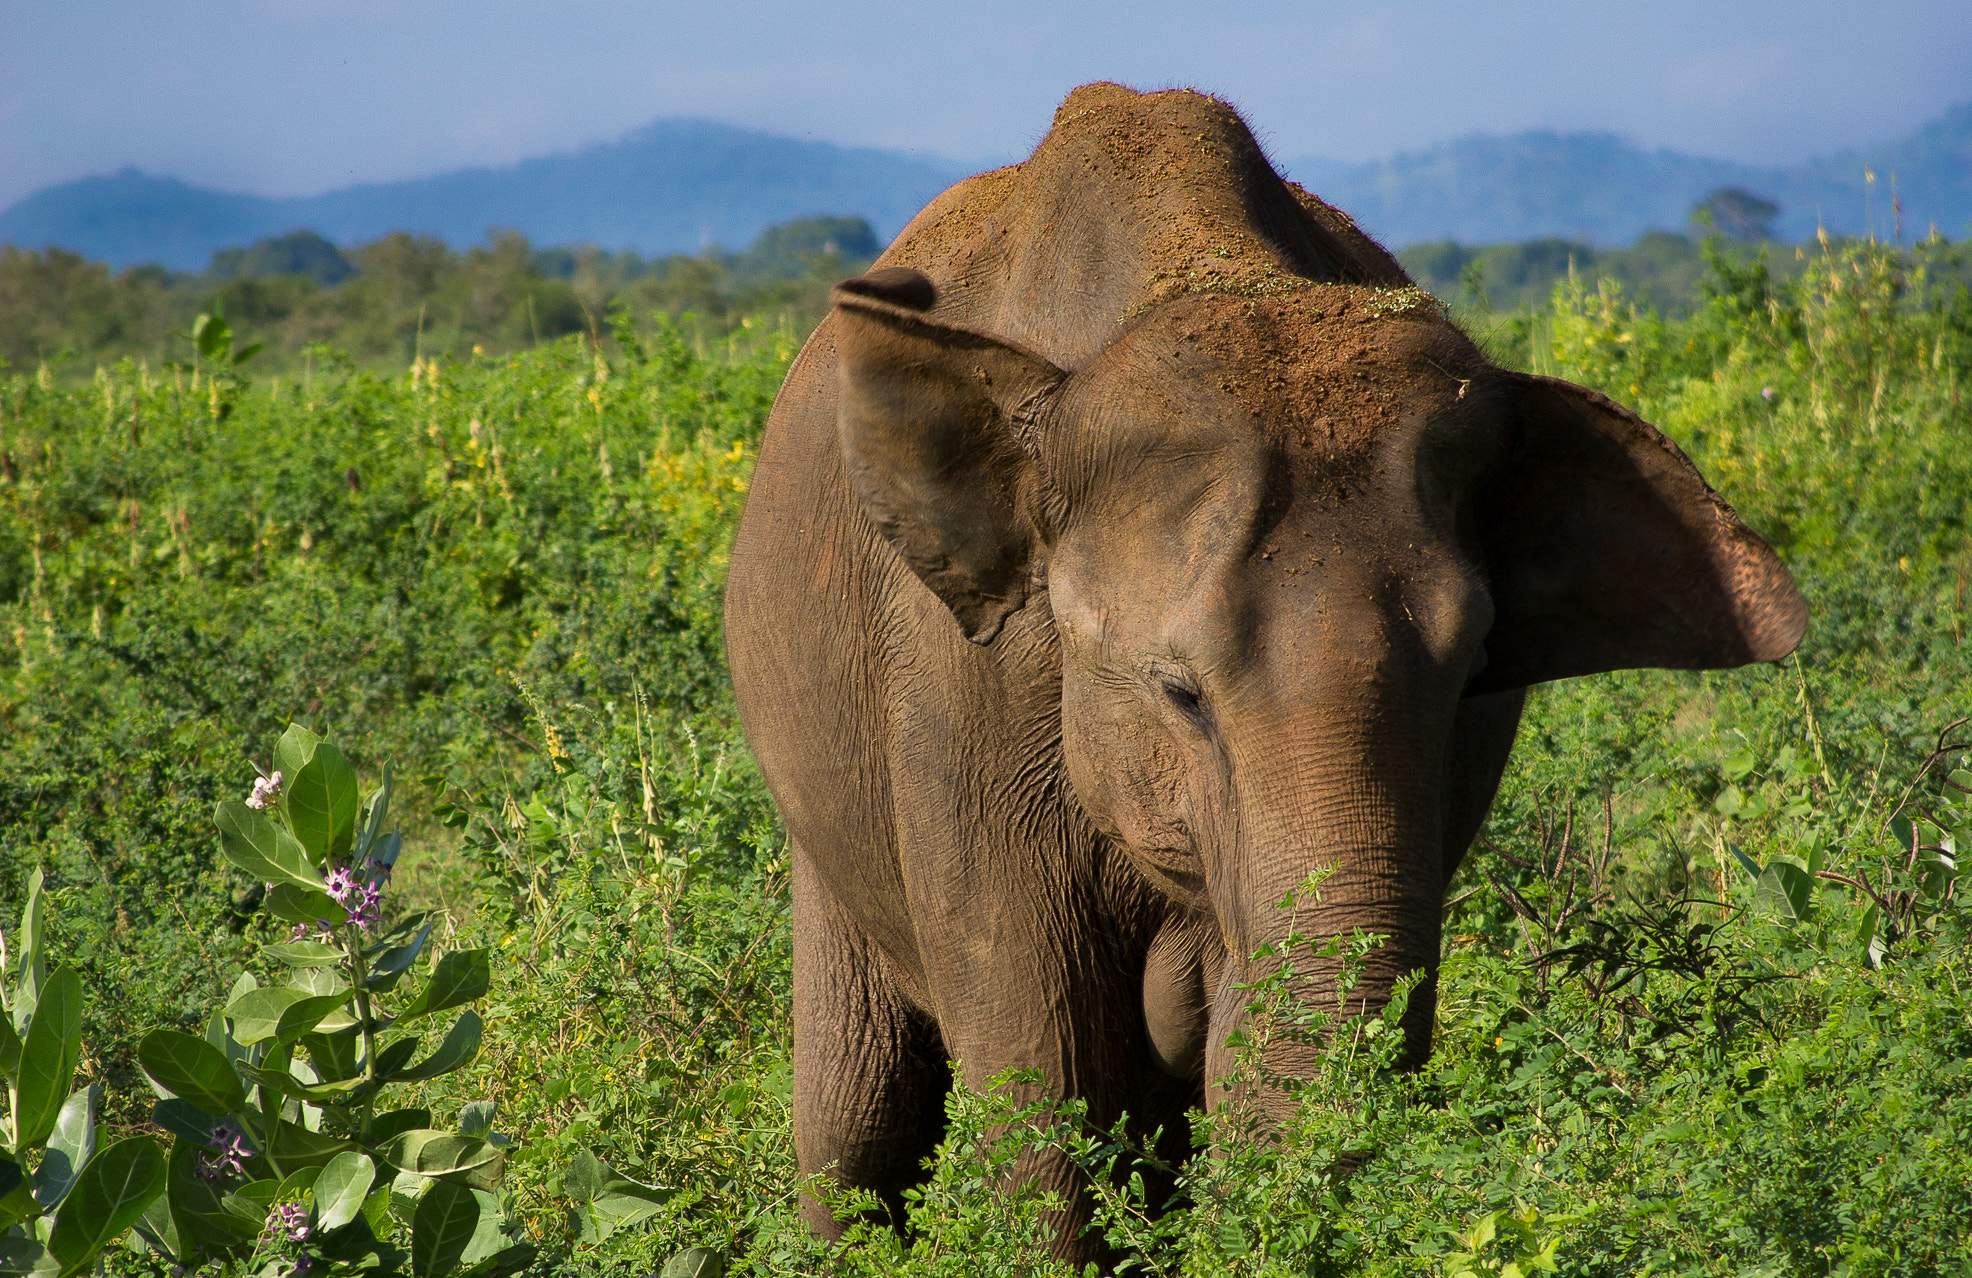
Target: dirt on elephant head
{"x": 1131, "y": 199}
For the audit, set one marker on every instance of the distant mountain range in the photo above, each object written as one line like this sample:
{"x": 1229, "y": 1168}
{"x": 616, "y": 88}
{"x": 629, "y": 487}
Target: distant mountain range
{"x": 679, "y": 185}
{"x": 1600, "y": 189}
{"x": 675, "y": 186}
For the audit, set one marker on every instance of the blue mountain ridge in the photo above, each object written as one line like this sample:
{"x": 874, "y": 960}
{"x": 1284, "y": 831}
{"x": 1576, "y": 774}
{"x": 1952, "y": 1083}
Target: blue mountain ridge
{"x": 678, "y": 185}
{"x": 1601, "y": 189}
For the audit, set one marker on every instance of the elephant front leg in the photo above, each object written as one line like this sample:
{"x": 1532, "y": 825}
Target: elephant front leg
{"x": 870, "y": 1075}
{"x": 1081, "y": 1029}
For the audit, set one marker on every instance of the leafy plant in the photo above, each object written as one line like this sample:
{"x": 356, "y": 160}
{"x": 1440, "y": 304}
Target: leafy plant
{"x": 283, "y": 1158}
{"x": 62, "y": 1197}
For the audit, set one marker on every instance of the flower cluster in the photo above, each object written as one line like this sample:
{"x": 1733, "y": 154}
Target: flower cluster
{"x": 288, "y": 1222}
{"x": 227, "y": 1152}
{"x": 361, "y": 902}
{"x": 264, "y": 789}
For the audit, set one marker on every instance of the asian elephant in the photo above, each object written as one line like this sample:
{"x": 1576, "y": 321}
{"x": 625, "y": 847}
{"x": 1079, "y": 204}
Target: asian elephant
{"x": 1131, "y": 541}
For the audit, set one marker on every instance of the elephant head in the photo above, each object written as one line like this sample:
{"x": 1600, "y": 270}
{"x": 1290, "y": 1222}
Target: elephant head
{"x": 1293, "y": 546}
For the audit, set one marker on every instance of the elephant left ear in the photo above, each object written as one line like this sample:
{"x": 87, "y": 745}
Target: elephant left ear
{"x": 1608, "y": 550}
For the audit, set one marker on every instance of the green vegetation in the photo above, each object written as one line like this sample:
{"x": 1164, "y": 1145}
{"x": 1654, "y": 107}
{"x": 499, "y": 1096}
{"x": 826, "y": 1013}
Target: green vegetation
{"x": 1703, "y": 1009}
{"x": 403, "y": 297}
{"x": 1666, "y": 270}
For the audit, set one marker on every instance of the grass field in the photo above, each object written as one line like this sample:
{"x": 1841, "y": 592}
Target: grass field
{"x": 1704, "y": 1002}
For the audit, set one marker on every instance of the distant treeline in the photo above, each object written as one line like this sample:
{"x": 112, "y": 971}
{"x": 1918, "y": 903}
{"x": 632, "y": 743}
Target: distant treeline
{"x": 1664, "y": 270}
{"x": 385, "y": 301}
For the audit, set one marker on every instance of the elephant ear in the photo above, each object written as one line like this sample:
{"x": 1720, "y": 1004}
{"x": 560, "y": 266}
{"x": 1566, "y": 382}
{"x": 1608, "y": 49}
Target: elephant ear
{"x": 1607, "y": 550}
{"x": 931, "y": 417}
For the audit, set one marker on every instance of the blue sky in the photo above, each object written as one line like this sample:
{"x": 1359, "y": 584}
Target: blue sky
{"x": 299, "y": 96}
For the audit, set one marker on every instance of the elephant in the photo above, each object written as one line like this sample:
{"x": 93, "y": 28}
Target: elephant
{"x": 1131, "y": 542}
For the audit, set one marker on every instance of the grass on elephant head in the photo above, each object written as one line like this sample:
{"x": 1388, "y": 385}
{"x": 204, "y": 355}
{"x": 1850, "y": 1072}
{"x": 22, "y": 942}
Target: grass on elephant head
{"x": 1702, "y": 1010}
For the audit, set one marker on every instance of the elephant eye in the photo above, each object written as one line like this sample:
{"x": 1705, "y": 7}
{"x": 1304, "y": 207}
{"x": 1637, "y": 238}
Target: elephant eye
{"x": 1186, "y": 699}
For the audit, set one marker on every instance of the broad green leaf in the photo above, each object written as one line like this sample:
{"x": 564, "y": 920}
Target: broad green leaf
{"x": 608, "y": 1200}
{"x": 295, "y": 1146}
{"x": 397, "y": 933}
{"x": 49, "y": 1052}
{"x": 447, "y": 1218}
{"x": 488, "y": 1239}
{"x": 303, "y": 905}
{"x": 476, "y": 1118}
{"x": 385, "y": 1126}
{"x": 393, "y": 963}
{"x": 460, "y": 977}
{"x": 192, "y": 1069}
{"x": 1785, "y": 889}
{"x": 1902, "y": 833}
{"x": 293, "y": 751}
{"x": 430, "y": 1152}
{"x": 333, "y": 1056}
{"x": 319, "y": 980}
{"x": 110, "y": 1195}
{"x": 584, "y": 1177}
{"x": 252, "y": 1201}
{"x": 70, "y": 1147}
{"x": 296, "y": 1183}
{"x": 303, "y": 953}
{"x": 11, "y": 1176}
{"x": 279, "y": 1012}
{"x": 394, "y": 1056}
{"x": 694, "y": 1262}
{"x": 460, "y": 1046}
{"x": 1746, "y": 863}
{"x": 342, "y": 1188}
{"x": 25, "y": 1256}
{"x": 182, "y": 1118}
{"x": 320, "y": 802}
{"x": 1738, "y": 764}
{"x": 341, "y": 1092}
{"x": 407, "y": 1190}
{"x": 157, "y": 1228}
{"x": 261, "y": 848}
{"x": 374, "y": 813}
{"x": 195, "y": 1204}
{"x": 30, "y": 971}
{"x": 10, "y": 1049}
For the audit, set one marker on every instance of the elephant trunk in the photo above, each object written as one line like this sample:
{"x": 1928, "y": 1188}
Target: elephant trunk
{"x": 1360, "y": 813}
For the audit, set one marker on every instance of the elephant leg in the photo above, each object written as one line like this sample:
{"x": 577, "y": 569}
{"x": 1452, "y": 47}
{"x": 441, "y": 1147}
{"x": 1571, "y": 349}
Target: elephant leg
{"x": 1087, "y": 1038}
{"x": 869, "y": 1072}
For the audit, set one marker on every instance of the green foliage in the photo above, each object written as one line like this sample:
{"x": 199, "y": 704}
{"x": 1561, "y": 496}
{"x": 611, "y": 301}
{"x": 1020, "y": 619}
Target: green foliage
{"x": 398, "y": 557}
{"x": 283, "y": 1158}
{"x": 403, "y": 297}
{"x": 64, "y": 1193}
{"x": 1702, "y": 1005}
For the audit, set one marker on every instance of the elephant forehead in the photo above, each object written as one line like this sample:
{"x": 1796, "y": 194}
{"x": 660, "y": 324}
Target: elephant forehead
{"x": 1337, "y": 367}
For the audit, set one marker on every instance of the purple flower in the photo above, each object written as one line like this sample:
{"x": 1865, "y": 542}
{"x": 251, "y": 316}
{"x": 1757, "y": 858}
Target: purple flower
{"x": 366, "y": 909}
{"x": 1766, "y": 393}
{"x": 228, "y": 1152}
{"x": 360, "y": 902}
{"x": 264, "y": 789}
{"x": 288, "y": 1222}
{"x": 342, "y": 882}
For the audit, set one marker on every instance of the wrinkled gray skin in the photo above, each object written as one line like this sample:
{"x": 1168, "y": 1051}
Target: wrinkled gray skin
{"x": 1069, "y": 644}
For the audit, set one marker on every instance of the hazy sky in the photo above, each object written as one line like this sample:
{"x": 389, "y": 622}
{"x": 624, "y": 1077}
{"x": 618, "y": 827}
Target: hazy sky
{"x": 299, "y": 96}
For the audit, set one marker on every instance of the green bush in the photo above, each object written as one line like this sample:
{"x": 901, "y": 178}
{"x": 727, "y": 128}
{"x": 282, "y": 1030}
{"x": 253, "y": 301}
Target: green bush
{"x": 1701, "y": 1010}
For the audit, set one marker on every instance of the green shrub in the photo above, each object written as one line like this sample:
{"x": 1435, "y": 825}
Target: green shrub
{"x": 1701, "y": 1010}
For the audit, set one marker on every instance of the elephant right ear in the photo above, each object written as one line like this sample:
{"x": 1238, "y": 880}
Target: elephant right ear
{"x": 1608, "y": 551}
{"x": 930, "y": 417}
